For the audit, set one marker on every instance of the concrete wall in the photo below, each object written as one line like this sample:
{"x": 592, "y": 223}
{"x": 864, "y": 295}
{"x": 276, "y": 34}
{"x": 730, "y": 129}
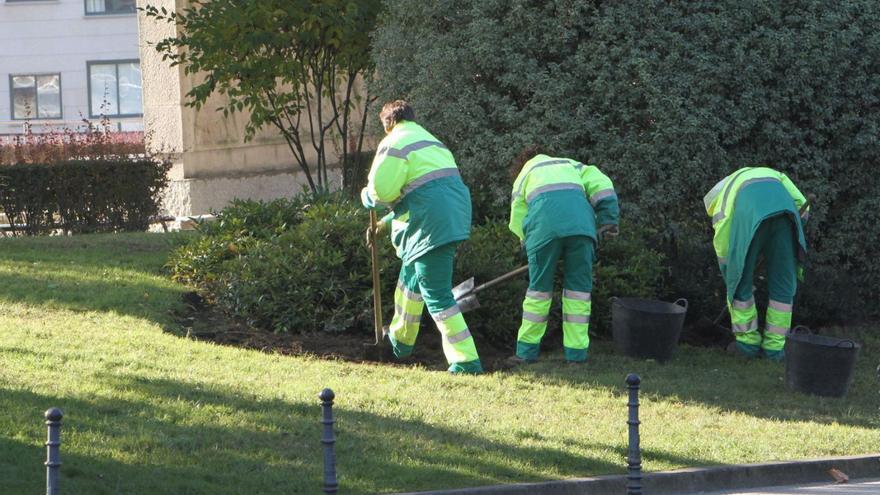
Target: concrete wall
{"x": 55, "y": 36}
{"x": 212, "y": 162}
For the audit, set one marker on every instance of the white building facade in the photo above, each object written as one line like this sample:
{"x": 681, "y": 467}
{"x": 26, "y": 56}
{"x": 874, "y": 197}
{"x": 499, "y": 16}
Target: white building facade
{"x": 65, "y": 60}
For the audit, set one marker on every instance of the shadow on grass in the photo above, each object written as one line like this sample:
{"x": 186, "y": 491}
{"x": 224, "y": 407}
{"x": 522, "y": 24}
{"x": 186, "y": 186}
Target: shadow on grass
{"x": 134, "y": 295}
{"x": 167, "y": 436}
{"x": 714, "y": 378}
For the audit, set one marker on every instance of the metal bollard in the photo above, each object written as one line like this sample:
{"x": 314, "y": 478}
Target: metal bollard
{"x": 634, "y": 457}
{"x": 53, "y": 450}
{"x": 330, "y": 484}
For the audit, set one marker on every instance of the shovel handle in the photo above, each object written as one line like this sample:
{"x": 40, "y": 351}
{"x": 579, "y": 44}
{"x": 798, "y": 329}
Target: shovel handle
{"x": 500, "y": 279}
{"x": 377, "y": 291}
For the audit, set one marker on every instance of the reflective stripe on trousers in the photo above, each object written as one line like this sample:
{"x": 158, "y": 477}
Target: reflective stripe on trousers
{"x": 408, "y": 307}
{"x": 458, "y": 344}
{"x": 576, "y": 310}
{"x": 778, "y": 317}
{"x": 534, "y": 317}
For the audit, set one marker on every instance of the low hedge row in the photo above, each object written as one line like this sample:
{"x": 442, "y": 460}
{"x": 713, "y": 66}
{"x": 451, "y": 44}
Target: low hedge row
{"x": 301, "y": 265}
{"x": 81, "y": 196}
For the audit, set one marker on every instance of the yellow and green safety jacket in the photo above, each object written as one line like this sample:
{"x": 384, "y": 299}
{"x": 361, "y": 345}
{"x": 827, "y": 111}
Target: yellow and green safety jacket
{"x": 559, "y": 197}
{"x": 415, "y": 175}
{"x": 736, "y": 216}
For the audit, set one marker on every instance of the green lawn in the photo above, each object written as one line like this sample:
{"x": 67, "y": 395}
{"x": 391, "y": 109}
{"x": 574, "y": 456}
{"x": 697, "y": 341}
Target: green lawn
{"x": 87, "y": 326}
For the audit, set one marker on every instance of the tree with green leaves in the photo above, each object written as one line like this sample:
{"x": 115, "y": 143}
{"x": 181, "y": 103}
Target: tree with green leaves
{"x": 291, "y": 64}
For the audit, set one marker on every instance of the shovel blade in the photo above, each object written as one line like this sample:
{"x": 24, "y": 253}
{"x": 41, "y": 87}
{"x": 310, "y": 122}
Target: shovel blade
{"x": 463, "y": 289}
{"x": 468, "y": 303}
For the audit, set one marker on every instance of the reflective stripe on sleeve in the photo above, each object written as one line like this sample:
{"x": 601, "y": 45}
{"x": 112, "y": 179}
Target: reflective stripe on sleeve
{"x": 600, "y": 195}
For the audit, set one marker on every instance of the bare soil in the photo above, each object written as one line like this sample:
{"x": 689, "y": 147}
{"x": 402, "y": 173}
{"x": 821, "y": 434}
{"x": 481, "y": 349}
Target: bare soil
{"x": 201, "y": 321}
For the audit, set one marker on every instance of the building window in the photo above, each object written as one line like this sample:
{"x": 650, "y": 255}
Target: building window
{"x": 115, "y": 89}
{"x": 109, "y": 7}
{"x": 36, "y": 96}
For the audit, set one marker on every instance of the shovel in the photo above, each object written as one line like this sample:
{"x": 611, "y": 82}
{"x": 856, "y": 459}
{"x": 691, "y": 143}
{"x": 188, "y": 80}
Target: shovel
{"x": 465, "y": 293}
{"x": 373, "y": 352}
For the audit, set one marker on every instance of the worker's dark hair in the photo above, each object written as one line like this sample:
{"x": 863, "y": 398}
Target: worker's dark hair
{"x": 526, "y": 154}
{"x": 395, "y": 111}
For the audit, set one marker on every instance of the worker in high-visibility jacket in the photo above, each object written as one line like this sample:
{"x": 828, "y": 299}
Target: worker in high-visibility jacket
{"x": 555, "y": 208}
{"x": 758, "y": 212}
{"x": 416, "y": 175}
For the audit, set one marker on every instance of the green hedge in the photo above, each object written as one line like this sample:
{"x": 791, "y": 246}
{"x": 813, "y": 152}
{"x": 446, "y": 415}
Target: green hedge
{"x": 301, "y": 265}
{"x": 666, "y": 97}
{"x": 80, "y": 196}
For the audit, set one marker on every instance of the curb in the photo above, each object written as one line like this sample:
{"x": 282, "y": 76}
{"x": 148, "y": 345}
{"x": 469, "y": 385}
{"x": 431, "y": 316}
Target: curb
{"x": 692, "y": 480}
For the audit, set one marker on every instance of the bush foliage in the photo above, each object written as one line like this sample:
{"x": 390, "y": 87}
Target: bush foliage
{"x": 666, "y": 97}
{"x": 79, "y": 182}
{"x": 301, "y": 265}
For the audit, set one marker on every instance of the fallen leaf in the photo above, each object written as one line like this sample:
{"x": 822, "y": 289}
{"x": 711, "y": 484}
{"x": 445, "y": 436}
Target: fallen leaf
{"x": 838, "y": 475}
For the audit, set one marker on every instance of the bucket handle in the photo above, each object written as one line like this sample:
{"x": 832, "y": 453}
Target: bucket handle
{"x": 612, "y": 299}
{"x": 682, "y": 302}
{"x": 801, "y": 329}
{"x": 852, "y": 345}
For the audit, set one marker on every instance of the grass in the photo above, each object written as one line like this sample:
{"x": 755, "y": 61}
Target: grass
{"x": 86, "y": 324}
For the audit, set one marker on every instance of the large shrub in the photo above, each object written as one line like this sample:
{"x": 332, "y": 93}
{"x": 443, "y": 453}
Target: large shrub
{"x": 301, "y": 265}
{"x": 666, "y": 97}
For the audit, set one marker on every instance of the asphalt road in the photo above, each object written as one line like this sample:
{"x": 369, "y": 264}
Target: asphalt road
{"x": 854, "y": 487}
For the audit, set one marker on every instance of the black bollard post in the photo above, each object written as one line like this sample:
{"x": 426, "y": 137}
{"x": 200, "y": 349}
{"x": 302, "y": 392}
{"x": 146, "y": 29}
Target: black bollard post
{"x": 53, "y": 450}
{"x": 330, "y": 484}
{"x": 634, "y": 457}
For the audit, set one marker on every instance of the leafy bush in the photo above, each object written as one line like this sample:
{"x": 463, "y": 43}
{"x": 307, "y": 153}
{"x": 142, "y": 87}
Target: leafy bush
{"x": 301, "y": 265}
{"x": 667, "y": 98}
{"x": 289, "y": 265}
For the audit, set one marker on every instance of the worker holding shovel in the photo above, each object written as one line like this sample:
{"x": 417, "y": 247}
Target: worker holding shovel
{"x": 555, "y": 208}
{"x": 758, "y": 212}
{"x": 416, "y": 175}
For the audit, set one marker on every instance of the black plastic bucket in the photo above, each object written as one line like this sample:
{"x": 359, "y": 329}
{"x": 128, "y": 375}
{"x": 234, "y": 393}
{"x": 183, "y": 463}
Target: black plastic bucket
{"x": 645, "y": 328}
{"x": 819, "y": 365}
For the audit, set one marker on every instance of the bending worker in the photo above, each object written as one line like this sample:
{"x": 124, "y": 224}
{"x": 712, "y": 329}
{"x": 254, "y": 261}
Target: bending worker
{"x": 555, "y": 206}
{"x": 416, "y": 175}
{"x": 758, "y": 212}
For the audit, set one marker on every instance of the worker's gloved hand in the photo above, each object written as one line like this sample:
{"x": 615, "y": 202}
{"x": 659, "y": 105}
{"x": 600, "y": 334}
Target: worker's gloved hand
{"x": 608, "y": 231}
{"x": 370, "y": 235}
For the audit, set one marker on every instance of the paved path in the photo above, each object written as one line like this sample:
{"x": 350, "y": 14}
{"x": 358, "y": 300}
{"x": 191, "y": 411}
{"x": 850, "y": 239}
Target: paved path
{"x": 855, "y": 487}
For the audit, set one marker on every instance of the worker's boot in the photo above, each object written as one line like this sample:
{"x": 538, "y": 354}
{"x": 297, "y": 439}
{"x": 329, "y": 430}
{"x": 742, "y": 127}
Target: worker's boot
{"x": 468, "y": 368}
{"x": 749, "y": 343}
{"x": 774, "y": 346}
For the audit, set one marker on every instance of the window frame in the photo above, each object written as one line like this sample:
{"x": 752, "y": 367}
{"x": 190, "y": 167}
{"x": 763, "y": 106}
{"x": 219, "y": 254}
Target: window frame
{"x": 36, "y": 116}
{"x": 115, "y": 64}
{"x": 99, "y": 14}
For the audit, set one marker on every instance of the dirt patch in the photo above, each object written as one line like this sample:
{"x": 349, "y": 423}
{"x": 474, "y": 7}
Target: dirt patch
{"x": 201, "y": 321}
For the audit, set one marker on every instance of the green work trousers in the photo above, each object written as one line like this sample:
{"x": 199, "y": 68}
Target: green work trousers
{"x": 577, "y": 253}
{"x": 775, "y": 242}
{"x": 428, "y": 280}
